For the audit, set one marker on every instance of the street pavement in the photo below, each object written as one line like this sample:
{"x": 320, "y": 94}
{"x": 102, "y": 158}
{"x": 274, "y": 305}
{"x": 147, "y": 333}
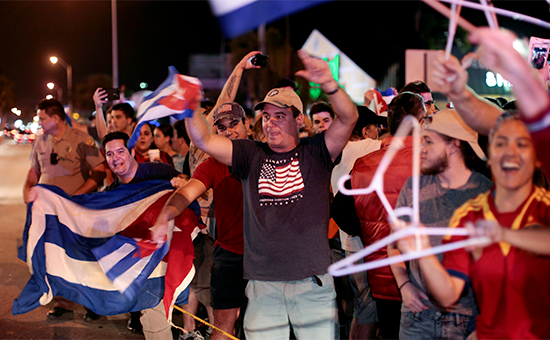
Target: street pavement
{"x": 14, "y": 273}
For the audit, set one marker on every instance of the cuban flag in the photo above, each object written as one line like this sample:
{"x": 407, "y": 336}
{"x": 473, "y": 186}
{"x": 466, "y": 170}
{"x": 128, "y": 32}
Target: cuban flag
{"x": 175, "y": 97}
{"x": 237, "y": 17}
{"x": 93, "y": 249}
{"x": 380, "y": 102}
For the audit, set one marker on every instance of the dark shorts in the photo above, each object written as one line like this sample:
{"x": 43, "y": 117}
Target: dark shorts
{"x": 227, "y": 284}
{"x": 204, "y": 247}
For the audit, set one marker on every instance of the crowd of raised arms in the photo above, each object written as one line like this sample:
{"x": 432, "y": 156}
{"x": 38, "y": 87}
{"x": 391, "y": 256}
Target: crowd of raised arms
{"x": 274, "y": 219}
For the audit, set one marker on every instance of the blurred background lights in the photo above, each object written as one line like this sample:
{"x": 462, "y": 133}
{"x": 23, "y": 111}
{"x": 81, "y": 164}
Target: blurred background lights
{"x": 34, "y": 127}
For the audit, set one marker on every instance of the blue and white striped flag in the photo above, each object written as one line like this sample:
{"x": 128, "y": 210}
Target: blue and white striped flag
{"x": 237, "y": 17}
{"x": 93, "y": 249}
{"x": 175, "y": 97}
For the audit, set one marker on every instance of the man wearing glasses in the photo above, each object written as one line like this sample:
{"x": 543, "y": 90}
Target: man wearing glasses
{"x": 422, "y": 89}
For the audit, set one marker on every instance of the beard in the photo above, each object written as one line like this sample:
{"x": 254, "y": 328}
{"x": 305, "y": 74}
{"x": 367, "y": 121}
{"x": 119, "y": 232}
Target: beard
{"x": 436, "y": 167}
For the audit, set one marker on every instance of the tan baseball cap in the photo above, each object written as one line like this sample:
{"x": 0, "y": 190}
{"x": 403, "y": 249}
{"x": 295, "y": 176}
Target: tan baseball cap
{"x": 449, "y": 123}
{"x": 283, "y": 98}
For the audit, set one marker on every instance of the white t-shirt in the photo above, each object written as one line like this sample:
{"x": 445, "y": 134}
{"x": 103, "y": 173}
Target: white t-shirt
{"x": 351, "y": 152}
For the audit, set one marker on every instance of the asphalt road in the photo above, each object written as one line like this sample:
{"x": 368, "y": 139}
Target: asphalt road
{"x": 14, "y": 274}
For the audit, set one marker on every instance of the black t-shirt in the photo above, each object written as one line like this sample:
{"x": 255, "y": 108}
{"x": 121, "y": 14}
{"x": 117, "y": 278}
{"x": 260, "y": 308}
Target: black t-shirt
{"x": 286, "y": 209}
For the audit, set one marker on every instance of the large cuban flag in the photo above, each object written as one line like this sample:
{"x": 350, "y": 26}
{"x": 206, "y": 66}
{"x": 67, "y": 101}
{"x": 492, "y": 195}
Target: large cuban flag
{"x": 94, "y": 250}
{"x": 175, "y": 97}
{"x": 237, "y": 17}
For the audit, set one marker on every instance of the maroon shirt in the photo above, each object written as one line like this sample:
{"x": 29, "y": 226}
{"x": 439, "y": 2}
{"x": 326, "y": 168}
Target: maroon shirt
{"x": 228, "y": 203}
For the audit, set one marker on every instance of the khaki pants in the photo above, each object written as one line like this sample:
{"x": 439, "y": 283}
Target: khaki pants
{"x": 155, "y": 325}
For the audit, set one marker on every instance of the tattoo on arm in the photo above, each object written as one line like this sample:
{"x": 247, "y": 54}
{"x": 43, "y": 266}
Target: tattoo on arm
{"x": 231, "y": 85}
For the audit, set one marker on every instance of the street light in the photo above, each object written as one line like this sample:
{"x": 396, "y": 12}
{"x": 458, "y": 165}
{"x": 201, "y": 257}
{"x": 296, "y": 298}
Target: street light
{"x": 69, "y": 69}
{"x": 58, "y": 90}
{"x": 16, "y": 111}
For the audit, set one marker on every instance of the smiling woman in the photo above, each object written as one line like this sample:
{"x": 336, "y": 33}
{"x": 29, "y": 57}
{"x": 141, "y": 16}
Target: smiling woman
{"x": 144, "y": 148}
{"x": 513, "y": 161}
{"x": 510, "y": 284}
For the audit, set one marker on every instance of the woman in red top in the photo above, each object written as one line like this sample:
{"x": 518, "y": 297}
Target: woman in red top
{"x": 145, "y": 144}
{"x": 510, "y": 281}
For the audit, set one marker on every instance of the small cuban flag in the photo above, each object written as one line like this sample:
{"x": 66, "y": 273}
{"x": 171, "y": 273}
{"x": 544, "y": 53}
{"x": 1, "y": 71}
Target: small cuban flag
{"x": 381, "y": 101}
{"x": 174, "y": 97}
{"x": 237, "y": 17}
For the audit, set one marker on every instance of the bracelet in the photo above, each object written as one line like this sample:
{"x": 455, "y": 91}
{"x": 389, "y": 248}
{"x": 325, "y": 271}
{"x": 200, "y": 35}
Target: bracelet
{"x": 404, "y": 283}
{"x": 333, "y": 91}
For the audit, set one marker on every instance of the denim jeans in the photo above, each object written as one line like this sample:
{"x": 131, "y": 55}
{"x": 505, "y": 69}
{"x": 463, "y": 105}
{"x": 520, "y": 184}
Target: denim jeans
{"x": 433, "y": 324}
{"x": 306, "y": 304}
{"x": 364, "y": 306}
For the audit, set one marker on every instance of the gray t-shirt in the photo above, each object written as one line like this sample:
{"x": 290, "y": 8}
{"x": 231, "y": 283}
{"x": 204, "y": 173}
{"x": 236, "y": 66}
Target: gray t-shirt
{"x": 437, "y": 205}
{"x": 286, "y": 209}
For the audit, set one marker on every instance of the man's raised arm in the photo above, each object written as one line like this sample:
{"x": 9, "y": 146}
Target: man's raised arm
{"x": 231, "y": 86}
{"x": 499, "y": 55}
{"x": 100, "y": 98}
{"x": 199, "y": 132}
{"x": 337, "y": 135}
{"x": 478, "y": 113}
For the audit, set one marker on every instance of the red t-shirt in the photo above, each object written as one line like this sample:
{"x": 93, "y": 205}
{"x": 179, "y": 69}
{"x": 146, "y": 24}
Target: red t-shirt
{"x": 512, "y": 286}
{"x": 228, "y": 203}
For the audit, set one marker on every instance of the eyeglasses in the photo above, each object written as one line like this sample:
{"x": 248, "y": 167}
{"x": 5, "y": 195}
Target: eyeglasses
{"x": 429, "y": 102}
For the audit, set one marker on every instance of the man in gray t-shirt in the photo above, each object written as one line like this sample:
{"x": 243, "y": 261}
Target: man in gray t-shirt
{"x": 449, "y": 147}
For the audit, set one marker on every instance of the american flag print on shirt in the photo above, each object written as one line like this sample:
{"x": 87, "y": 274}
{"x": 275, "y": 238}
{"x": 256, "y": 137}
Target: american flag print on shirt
{"x": 280, "y": 182}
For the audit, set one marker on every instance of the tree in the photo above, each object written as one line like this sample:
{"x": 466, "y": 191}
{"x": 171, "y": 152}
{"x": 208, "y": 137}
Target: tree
{"x": 83, "y": 101}
{"x": 7, "y": 94}
{"x": 7, "y": 97}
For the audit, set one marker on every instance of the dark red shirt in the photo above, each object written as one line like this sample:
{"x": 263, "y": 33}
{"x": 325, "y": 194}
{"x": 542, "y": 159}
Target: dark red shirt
{"x": 228, "y": 203}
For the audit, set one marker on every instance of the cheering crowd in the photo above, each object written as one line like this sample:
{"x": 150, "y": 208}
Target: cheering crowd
{"x": 274, "y": 219}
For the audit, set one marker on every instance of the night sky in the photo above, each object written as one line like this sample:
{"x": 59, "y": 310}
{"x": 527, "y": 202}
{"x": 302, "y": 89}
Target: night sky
{"x": 153, "y": 35}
